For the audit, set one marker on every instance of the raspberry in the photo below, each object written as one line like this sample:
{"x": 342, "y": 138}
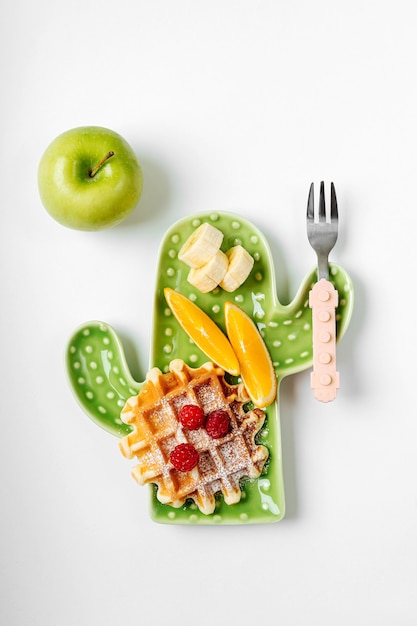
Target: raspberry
{"x": 218, "y": 424}
{"x": 191, "y": 416}
{"x": 184, "y": 457}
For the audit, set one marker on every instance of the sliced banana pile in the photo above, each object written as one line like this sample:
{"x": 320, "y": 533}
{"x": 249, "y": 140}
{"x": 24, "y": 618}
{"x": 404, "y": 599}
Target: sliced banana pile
{"x": 210, "y": 266}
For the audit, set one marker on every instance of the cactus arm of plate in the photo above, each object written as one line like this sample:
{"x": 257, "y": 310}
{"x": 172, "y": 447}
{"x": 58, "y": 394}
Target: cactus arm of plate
{"x": 102, "y": 383}
{"x": 99, "y": 375}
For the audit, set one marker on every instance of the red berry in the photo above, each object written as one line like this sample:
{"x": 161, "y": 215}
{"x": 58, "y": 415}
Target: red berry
{"x": 184, "y": 457}
{"x": 191, "y": 416}
{"x": 218, "y": 424}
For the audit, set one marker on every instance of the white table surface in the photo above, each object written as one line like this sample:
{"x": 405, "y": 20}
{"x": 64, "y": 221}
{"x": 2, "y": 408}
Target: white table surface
{"x": 237, "y": 106}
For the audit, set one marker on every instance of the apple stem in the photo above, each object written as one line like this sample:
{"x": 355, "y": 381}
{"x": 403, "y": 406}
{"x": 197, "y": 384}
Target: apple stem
{"x": 95, "y": 169}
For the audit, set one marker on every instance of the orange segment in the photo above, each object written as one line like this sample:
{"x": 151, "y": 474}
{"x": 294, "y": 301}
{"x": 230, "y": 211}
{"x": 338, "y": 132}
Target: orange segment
{"x": 256, "y": 368}
{"x": 203, "y": 331}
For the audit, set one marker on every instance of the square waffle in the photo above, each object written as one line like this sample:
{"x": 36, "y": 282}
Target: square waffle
{"x": 156, "y": 431}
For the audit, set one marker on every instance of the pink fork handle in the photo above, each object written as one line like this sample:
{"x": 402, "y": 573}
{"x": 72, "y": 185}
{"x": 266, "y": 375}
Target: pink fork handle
{"x": 323, "y": 300}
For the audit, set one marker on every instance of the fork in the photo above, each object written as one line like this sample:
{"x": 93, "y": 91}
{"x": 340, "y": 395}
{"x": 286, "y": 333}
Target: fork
{"x": 323, "y": 298}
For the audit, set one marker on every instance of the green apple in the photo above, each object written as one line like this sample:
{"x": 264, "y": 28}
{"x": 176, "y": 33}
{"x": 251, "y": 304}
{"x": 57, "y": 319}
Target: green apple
{"x": 89, "y": 178}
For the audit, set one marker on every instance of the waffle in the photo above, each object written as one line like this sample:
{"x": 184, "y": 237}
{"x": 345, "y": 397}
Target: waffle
{"x": 223, "y": 462}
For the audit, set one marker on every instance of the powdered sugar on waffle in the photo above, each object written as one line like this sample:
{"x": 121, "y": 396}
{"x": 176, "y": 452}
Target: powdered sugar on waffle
{"x": 223, "y": 462}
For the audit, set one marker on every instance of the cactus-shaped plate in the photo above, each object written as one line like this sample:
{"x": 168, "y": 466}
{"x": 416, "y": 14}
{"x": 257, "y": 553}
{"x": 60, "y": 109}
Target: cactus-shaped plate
{"x": 102, "y": 383}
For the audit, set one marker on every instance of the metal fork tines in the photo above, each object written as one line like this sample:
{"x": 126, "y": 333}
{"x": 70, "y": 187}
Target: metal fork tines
{"x": 322, "y": 232}
{"x": 323, "y": 297}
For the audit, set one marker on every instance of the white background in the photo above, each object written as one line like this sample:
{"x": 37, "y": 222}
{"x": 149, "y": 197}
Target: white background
{"x": 237, "y": 106}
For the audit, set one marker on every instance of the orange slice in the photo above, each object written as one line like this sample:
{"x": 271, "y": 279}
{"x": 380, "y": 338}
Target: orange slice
{"x": 256, "y": 368}
{"x": 203, "y": 331}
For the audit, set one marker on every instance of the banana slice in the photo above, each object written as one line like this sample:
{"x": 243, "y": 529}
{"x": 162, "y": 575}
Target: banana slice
{"x": 203, "y": 244}
{"x": 207, "y": 277}
{"x": 239, "y": 268}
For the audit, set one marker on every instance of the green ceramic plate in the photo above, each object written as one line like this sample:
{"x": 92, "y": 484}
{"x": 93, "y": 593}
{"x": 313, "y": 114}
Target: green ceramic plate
{"x": 101, "y": 380}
